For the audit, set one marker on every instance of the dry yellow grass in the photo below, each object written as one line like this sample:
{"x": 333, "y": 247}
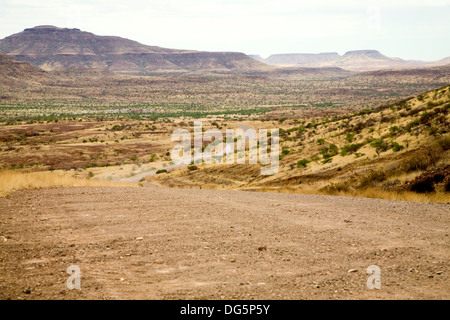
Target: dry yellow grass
{"x": 435, "y": 197}
{"x": 13, "y": 180}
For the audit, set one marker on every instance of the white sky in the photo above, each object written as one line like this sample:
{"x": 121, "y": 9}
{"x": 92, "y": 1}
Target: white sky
{"x": 409, "y": 29}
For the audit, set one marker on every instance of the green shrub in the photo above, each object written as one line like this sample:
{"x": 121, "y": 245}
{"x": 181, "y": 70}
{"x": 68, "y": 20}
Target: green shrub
{"x": 116, "y": 128}
{"x": 302, "y": 163}
{"x": 350, "y": 148}
{"x": 380, "y": 145}
{"x": 350, "y": 137}
{"x": 425, "y": 117}
{"x": 394, "y": 130}
{"x": 329, "y": 152}
{"x": 396, "y": 146}
{"x": 411, "y": 125}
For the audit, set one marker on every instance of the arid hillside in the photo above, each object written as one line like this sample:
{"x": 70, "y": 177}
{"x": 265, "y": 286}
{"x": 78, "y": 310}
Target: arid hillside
{"x": 16, "y": 74}
{"x": 386, "y": 151}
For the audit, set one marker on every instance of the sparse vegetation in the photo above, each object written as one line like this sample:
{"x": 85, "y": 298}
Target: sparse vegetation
{"x": 13, "y": 180}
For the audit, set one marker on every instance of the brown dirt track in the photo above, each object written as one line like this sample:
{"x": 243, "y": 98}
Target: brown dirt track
{"x": 209, "y": 244}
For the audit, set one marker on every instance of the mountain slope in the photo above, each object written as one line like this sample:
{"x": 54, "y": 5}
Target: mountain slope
{"x": 357, "y": 61}
{"x": 13, "y": 72}
{"x": 53, "y": 48}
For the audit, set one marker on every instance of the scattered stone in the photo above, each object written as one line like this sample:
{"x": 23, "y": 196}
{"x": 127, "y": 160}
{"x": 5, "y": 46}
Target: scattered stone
{"x": 347, "y": 220}
{"x": 440, "y": 272}
{"x": 140, "y": 238}
{"x": 27, "y": 291}
{"x": 263, "y": 248}
{"x": 352, "y": 270}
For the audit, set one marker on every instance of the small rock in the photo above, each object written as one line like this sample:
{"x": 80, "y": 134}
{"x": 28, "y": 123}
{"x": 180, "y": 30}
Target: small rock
{"x": 263, "y": 248}
{"x": 140, "y": 238}
{"x": 352, "y": 270}
{"x": 27, "y": 291}
{"x": 440, "y": 272}
{"x": 347, "y": 220}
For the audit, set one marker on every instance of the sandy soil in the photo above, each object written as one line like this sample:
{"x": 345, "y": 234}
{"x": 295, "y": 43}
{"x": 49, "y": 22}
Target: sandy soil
{"x": 157, "y": 243}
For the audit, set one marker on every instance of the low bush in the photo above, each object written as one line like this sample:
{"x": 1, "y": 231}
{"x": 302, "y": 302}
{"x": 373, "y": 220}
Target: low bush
{"x": 350, "y": 148}
{"x": 302, "y": 163}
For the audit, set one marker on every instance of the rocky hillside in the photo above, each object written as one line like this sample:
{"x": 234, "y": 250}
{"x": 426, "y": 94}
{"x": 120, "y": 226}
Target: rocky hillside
{"x": 396, "y": 148}
{"x": 53, "y": 48}
{"x": 13, "y": 72}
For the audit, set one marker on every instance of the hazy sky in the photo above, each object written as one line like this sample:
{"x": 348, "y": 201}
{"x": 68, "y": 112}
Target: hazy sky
{"x": 409, "y": 29}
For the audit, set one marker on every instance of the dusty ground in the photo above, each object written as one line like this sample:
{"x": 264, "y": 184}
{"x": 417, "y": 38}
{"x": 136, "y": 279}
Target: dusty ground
{"x": 157, "y": 243}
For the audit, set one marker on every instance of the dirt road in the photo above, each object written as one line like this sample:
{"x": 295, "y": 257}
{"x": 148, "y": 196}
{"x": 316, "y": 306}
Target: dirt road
{"x": 156, "y": 243}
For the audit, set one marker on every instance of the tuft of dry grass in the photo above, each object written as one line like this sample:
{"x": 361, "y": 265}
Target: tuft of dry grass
{"x": 13, "y": 180}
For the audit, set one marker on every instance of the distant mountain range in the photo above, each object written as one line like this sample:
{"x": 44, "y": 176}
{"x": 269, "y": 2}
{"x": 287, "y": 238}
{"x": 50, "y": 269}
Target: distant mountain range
{"x": 358, "y": 61}
{"x": 53, "y": 48}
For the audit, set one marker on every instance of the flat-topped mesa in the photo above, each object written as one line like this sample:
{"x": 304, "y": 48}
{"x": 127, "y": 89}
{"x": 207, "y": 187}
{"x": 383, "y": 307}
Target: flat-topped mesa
{"x": 375, "y": 54}
{"x": 301, "y": 58}
{"x": 54, "y": 48}
{"x": 49, "y": 28}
